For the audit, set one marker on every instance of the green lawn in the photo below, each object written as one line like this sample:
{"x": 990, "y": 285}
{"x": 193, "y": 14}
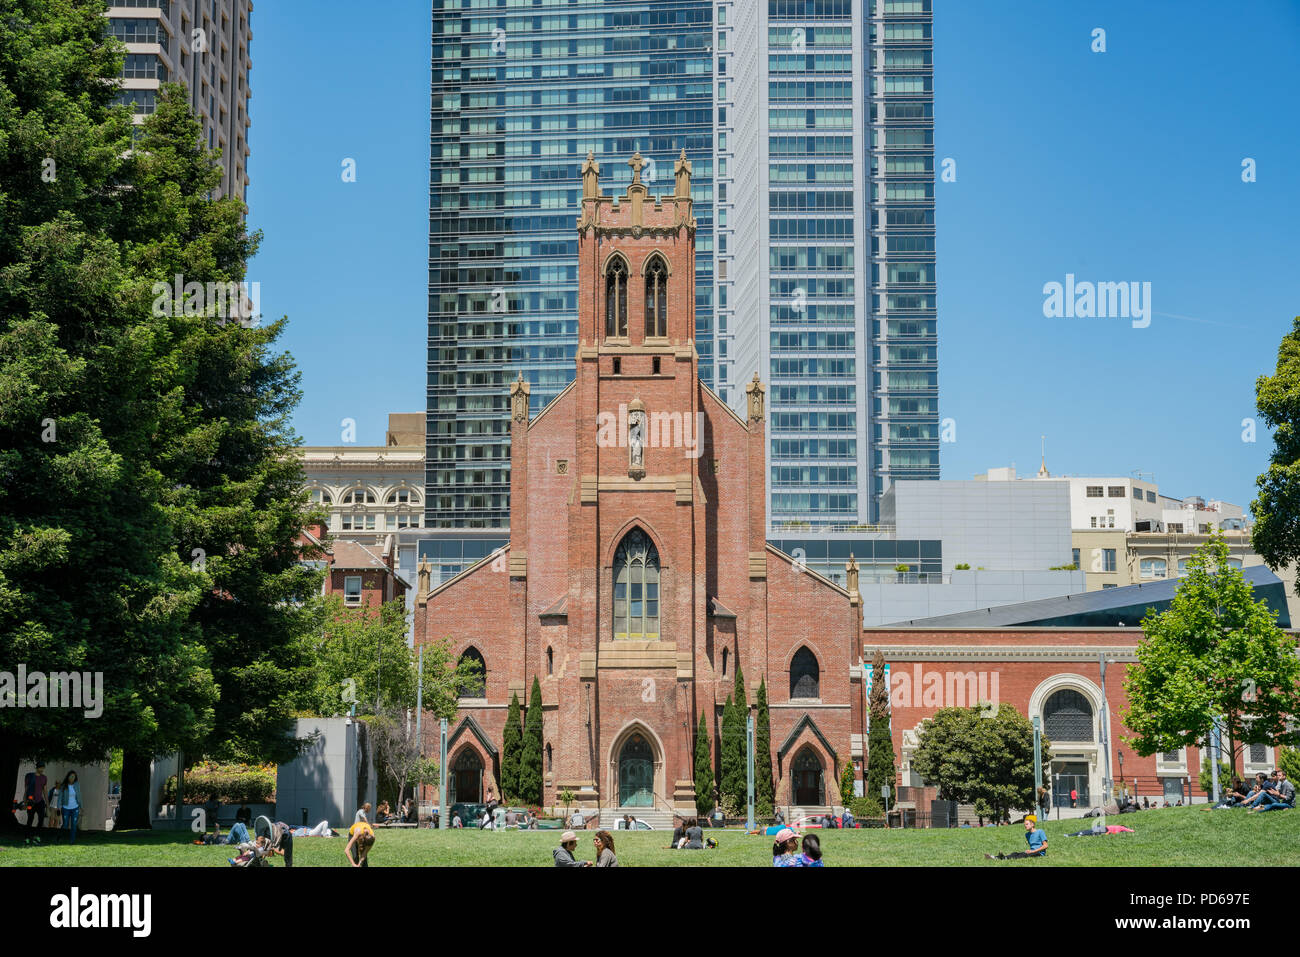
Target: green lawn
{"x": 1196, "y": 836}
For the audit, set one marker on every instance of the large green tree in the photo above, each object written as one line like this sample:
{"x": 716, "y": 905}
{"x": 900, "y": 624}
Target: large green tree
{"x": 512, "y": 750}
{"x": 764, "y": 788}
{"x": 730, "y": 757}
{"x": 880, "y": 741}
{"x": 703, "y": 769}
{"x": 359, "y": 659}
{"x": 733, "y": 786}
{"x": 531, "y": 761}
{"x": 1276, "y": 533}
{"x": 91, "y": 578}
{"x": 981, "y": 760}
{"x": 1216, "y": 652}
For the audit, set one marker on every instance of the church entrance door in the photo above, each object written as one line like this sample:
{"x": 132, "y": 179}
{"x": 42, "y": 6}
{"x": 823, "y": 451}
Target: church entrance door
{"x": 636, "y": 773}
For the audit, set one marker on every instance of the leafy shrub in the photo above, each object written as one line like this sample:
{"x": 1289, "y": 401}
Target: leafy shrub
{"x": 867, "y": 807}
{"x": 228, "y": 783}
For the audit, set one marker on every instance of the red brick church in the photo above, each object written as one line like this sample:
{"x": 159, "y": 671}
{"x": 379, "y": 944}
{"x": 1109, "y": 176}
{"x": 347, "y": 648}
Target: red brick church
{"x": 638, "y": 576}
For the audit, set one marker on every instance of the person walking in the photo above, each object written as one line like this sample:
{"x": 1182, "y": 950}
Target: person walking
{"x": 1074, "y": 797}
{"x": 55, "y": 819}
{"x": 70, "y": 804}
{"x": 34, "y": 798}
{"x": 604, "y": 842}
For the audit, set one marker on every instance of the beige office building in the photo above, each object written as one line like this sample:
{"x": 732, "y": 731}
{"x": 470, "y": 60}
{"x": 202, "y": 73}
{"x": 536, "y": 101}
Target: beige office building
{"x": 203, "y": 44}
{"x": 375, "y": 494}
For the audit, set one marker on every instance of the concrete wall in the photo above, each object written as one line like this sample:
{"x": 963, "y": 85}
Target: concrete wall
{"x": 969, "y": 590}
{"x": 1001, "y": 526}
{"x": 323, "y": 779}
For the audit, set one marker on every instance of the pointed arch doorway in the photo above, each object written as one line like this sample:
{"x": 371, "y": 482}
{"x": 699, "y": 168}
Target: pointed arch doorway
{"x": 636, "y": 773}
{"x": 636, "y": 768}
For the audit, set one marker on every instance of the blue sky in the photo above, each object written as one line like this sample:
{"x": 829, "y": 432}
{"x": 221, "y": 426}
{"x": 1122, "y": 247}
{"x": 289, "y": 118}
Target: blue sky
{"x": 1122, "y": 166}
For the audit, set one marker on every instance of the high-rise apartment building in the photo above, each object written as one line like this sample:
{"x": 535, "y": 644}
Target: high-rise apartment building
{"x": 810, "y": 126}
{"x": 831, "y": 265}
{"x": 520, "y": 95}
{"x": 203, "y": 44}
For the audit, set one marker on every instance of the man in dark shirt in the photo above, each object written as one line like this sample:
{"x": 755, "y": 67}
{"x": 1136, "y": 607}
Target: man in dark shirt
{"x": 34, "y": 798}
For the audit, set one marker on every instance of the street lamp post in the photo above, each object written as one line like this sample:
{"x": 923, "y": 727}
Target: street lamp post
{"x": 1105, "y": 732}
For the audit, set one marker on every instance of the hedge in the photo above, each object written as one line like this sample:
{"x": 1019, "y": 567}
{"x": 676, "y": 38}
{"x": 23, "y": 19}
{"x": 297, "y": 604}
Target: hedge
{"x": 228, "y": 783}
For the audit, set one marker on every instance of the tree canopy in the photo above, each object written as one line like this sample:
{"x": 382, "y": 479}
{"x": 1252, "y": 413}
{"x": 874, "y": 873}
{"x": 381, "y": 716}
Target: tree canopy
{"x": 1216, "y": 652}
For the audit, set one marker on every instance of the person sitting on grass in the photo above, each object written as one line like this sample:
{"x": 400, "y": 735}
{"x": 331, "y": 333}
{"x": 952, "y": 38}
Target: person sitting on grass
{"x": 1034, "y": 836}
{"x": 1256, "y": 792}
{"x": 1234, "y": 794}
{"x": 250, "y": 852}
{"x": 694, "y": 836}
{"x": 785, "y": 850}
{"x": 1277, "y": 795}
{"x": 812, "y": 852}
{"x": 564, "y": 853}
{"x": 679, "y": 834}
{"x": 604, "y": 842}
{"x": 361, "y": 838}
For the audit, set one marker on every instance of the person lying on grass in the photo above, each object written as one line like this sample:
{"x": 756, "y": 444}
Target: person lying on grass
{"x": 1034, "y": 836}
{"x": 1099, "y": 829}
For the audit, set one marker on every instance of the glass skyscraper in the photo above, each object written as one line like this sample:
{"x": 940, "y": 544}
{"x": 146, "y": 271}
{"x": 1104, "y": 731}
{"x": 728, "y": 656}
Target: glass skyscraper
{"x": 810, "y": 126}
{"x": 833, "y": 270}
{"x": 521, "y": 91}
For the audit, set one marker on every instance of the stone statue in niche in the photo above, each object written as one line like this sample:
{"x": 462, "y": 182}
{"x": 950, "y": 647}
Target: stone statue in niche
{"x": 636, "y": 440}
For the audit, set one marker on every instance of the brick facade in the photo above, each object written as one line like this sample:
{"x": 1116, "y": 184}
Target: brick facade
{"x": 545, "y": 604}
{"x": 1025, "y": 667}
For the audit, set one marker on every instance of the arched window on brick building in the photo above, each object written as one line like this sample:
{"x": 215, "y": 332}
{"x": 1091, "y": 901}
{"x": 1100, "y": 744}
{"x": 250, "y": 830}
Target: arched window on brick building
{"x": 636, "y": 588}
{"x": 476, "y": 686}
{"x": 1067, "y": 716}
{"x": 616, "y": 297}
{"x": 656, "y": 297}
{"x": 550, "y": 661}
{"x": 805, "y": 675}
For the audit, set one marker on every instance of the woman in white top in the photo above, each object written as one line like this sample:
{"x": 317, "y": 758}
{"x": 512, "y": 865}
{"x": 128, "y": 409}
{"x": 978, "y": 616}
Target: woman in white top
{"x": 70, "y": 804}
{"x": 52, "y": 808}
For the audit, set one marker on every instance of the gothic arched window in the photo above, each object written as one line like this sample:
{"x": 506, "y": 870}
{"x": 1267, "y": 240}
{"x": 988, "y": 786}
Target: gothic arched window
{"x": 656, "y": 298}
{"x": 805, "y": 675}
{"x": 475, "y": 684}
{"x": 1067, "y": 716}
{"x": 636, "y": 588}
{"x": 616, "y": 298}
